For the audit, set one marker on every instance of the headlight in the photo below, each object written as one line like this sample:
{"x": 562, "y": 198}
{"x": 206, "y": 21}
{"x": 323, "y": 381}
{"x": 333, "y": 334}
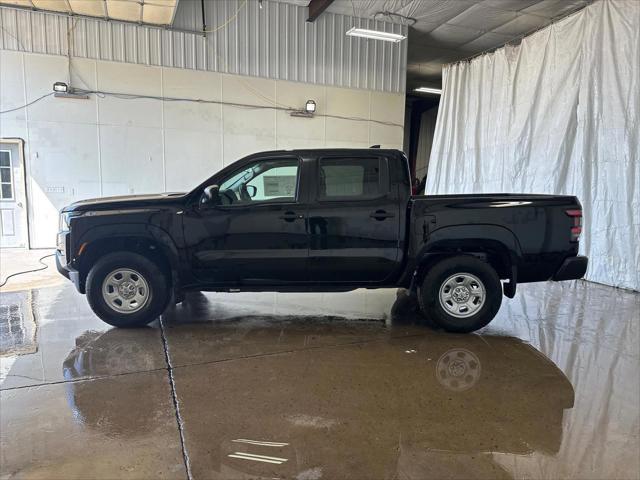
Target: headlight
{"x": 61, "y": 243}
{"x": 65, "y": 220}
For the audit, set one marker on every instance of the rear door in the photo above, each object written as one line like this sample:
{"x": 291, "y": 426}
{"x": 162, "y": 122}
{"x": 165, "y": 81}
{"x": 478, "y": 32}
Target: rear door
{"x": 354, "y": 220}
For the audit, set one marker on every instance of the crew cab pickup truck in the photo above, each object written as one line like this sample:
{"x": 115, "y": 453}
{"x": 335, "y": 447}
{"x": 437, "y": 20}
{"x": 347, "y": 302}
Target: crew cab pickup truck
{"x": 317, "y": 220}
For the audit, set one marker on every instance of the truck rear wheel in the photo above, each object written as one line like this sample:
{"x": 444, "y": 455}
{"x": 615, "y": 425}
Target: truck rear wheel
{"x": 126, "y": 289}
{"x": 460, "y": 294}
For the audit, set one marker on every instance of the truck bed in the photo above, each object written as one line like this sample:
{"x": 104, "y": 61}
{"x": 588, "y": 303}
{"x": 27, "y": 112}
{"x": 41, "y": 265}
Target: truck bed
{"x": 535, "y": 229}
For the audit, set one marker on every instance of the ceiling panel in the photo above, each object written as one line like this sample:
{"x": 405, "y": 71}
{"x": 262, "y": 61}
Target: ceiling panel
{"x": 448, "y": 36}
{"x": 92, "y": 8}
{"x": 128, "y": 10}
{"x": 555, "y": 8}
{"x": 484, "y": 18}
{"x": 20, "y": 3}
{"x": 510, "y": 5}
{"x": 437, "y": 11}
{"x": 485, "y": 42}
{"x": 53, "y": 5}
{"x": 522, "y": 24}
{"x": 424, "y": 27}
{"x": 156, "y": 12}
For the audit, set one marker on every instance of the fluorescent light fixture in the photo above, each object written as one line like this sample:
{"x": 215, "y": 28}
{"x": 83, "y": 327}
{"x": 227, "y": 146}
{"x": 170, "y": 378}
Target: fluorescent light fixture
{"x": 376, "y": 34}
{"x": 437, "y": 91}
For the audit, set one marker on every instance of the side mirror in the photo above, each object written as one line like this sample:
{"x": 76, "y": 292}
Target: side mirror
{"x": 211, "y": 194}
{"x": 251, "y": 190}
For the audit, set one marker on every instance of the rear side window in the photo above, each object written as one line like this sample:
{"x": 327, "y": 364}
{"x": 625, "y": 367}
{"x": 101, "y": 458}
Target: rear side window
{"x": 351, "y": 178}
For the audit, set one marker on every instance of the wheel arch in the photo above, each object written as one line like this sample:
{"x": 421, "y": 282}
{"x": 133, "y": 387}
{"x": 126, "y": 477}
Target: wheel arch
{"x": 492, "y": 244}
{"x": 147, "y": 240}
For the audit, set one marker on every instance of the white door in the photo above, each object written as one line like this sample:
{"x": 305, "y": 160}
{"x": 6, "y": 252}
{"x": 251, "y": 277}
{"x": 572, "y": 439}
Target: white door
{"x": 13, "y": 208}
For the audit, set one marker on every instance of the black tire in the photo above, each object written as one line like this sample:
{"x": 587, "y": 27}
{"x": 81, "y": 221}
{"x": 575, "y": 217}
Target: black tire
{"x": 158, "y": 294}
{"x": 435, "y": 279}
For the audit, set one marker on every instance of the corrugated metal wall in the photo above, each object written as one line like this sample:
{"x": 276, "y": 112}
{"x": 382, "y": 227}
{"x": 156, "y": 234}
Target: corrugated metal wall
{"x": 272, "y": 42}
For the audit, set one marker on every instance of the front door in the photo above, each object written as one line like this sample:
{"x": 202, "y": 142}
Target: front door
{"x": 255, "y": 232}
{"x": 13, "y": 213}
{"x": 353, "y": 222}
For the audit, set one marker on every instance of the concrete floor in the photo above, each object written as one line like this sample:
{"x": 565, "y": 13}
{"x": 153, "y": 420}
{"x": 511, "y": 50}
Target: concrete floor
{"x": 14, "y": 260}
{"x": 311, "y": 386}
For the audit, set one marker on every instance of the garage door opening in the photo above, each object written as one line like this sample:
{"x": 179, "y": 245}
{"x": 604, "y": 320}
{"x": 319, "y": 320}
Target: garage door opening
{"x": 420, "y": 125}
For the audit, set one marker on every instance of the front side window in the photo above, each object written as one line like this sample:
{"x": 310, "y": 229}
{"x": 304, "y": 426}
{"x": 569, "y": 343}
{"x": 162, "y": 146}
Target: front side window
{"x": 273, "y": 180}
{"x": 350, "y": 177}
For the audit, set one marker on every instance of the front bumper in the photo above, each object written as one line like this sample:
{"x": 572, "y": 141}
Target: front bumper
{"x": 572, "y": 268}
{"x": 67, "y": 271}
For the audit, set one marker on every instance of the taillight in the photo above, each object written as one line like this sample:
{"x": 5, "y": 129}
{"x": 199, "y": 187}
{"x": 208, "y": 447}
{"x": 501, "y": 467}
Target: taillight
{"x": 576, "y": 229}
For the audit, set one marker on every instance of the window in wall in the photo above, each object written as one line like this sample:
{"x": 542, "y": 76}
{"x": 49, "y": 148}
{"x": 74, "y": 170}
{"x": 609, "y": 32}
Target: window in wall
{"x": 6, "y": 178}
{"x": 273, "y": 180}
{"x": 350, "y": 177}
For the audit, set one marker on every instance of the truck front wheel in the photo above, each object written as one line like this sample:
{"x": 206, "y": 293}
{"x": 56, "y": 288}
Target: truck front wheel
{"x": 460, "y": 294}
{"x": 126, "y": 289}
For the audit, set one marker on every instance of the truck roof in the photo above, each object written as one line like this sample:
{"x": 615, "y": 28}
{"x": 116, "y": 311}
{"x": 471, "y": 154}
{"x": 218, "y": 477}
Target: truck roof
{"x": 302, "y": 151}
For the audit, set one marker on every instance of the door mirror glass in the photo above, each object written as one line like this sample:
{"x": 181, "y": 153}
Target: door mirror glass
{"x": 252, "y": 190}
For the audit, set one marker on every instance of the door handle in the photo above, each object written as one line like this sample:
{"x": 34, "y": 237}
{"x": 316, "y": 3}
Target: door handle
{"x": 290, "y": 216}
{"x": 381, "y": 215}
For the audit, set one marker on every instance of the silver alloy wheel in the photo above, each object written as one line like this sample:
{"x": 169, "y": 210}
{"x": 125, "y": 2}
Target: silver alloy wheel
{"x": 125, "y": 290}
{"x": 462, "y": 295}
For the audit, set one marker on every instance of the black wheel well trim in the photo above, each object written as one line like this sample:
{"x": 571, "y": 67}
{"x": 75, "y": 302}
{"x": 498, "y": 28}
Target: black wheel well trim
{"x": 154, "y": 248}
{"x": 494, "y": 244}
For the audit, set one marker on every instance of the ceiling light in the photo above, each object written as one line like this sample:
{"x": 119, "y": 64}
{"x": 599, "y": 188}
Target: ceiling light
{"x": 376, "y": 34}
{"x": 437, "y": 91}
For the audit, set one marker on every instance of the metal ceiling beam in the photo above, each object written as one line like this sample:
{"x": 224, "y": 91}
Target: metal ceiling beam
{"x": 316, "y": 7}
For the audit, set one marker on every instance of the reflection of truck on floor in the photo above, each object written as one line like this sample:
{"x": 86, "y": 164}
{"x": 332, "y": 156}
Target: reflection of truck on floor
{"x": 365, "y": 410}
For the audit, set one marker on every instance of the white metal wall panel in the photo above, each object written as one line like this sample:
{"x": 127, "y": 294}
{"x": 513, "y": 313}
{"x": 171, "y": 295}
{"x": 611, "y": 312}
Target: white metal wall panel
{"x": 272, "y": 42}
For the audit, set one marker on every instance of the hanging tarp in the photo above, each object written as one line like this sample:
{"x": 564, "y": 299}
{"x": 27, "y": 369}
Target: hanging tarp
{"x": 557, "y": 114}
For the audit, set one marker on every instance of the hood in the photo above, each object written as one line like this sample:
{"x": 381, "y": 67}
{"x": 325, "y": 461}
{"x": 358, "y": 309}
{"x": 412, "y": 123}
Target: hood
{"x": 125, "y": 201}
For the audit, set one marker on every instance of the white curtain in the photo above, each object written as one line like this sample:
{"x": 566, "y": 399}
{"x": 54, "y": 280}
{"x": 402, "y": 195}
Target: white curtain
{"x": 556, "y": 114}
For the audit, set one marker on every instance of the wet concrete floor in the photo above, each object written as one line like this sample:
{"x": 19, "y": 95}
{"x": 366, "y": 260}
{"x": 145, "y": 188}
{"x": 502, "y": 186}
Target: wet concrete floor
{"x": 322, "y": 386}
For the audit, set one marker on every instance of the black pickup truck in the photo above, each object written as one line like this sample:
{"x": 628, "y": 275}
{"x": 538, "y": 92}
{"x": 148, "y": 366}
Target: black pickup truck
{"x": 317, "y": 220}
